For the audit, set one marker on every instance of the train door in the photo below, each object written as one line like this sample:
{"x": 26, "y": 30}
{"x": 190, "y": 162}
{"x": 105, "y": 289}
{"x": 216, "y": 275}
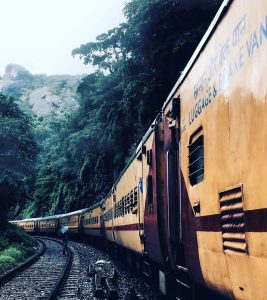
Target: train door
{"x": 35, "y": 225}
{"x": 182, "y": 285}
{"x": 172, "y": 193}
{"x": 154, "y": 227}
{"x": 140, "y": 199}
{"x": 102, "y": 222}
{"x": 113, "y": 214}
{"x": 80, "y": 224}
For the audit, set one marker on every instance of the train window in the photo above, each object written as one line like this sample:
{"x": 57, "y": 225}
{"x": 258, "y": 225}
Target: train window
{"x": 135, "y": 200}
{"x": 149, "y": 186}
{"x": 132, "y": 199}
{"x": 116, "y": 210}
{"x": 127, "y": 206}
{"x": 149, "y": 157}
{"x": 119, "y": 208}
{"x": 123, "y": 206}
{"x": 196, "y": 157}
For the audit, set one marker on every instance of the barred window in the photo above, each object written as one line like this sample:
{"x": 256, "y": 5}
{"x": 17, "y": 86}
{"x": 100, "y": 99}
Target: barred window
{"x": 135, "y": 197}
{"x": 123, "y": 206}
{"x": 196, "y": 157}
{"x": 116, "y": 210}
{"x": 127, "y": 205}
{"x": 108, "y": 215}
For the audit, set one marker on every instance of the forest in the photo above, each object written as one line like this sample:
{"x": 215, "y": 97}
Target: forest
{"x": 68, "y": 161}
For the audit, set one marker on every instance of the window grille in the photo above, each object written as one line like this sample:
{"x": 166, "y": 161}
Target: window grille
{"x": 196, "y": 157}
{"x": 135, "y": 197}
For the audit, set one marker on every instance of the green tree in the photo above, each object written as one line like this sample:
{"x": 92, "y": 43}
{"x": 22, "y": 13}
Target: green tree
{"x": 137, "y": 64}
{"x": 17, "y": 154}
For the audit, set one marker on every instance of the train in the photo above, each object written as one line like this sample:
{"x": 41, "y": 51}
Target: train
{"x": 191, "y": 204}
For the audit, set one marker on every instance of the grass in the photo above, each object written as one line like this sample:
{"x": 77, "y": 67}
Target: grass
{"x": 15, "y": 246}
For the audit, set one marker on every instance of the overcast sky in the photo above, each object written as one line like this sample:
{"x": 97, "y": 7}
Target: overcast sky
{"x": 40, "y": 34}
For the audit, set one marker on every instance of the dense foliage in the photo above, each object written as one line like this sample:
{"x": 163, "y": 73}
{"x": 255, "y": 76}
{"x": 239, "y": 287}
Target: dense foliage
{"x": 17, "y": 156}
{"x": 137, "y": 64}
{"x": 83, "y": 148}
{"x": 15, "y": 246}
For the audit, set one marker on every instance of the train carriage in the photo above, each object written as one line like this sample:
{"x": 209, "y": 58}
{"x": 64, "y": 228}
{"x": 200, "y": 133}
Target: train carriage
{"x": 127, "y": 205}
{"x": 29, "y": 225}
{"x": 49, "y": 224}
{"x": 72, "y": 220}
{"x": 107, "y": 217}
{"x": 91, "y": 220}
{"x": 219, "y": 107}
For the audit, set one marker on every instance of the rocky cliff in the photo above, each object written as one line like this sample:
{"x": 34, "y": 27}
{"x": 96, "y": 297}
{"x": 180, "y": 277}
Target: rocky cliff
{"x": 43, "y": 95}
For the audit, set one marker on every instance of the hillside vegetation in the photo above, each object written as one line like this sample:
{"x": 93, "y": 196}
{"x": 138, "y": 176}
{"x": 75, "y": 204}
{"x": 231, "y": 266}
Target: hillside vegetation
{"x": 15, "y": 246}
{"x": 31, "y": 112}
{"x": 83, "y": 147}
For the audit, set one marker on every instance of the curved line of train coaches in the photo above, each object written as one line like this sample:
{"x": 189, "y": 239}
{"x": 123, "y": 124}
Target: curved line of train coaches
{"x": 87, "y": 220}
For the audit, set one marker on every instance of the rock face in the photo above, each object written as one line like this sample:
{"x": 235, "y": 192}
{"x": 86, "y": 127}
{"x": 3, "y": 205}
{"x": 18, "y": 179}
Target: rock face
{"x": 43, "y": 95}
{"x": 17, "y": 72}
{"x": 44, "y": 102}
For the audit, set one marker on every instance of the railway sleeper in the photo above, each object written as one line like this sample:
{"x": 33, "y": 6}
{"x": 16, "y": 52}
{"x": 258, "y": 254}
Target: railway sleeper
{"x": 99, "y": 292}
{"x": 111, "y": 290}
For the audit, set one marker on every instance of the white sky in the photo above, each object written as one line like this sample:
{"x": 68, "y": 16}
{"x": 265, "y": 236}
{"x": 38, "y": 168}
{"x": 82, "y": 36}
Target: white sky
{"x": 40, "y": 34}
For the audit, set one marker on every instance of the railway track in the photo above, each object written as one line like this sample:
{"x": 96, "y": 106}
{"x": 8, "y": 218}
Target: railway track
{"x": 43, "y": 279}
{"x": 93, "y": 261}
{"x": 71, "y": 288}
{"x": 59, "y": 277}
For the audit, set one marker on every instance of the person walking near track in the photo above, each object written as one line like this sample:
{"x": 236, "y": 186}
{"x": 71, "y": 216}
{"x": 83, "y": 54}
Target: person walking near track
{"x": 65, "y": 243}
{"x": 63, "y": 232}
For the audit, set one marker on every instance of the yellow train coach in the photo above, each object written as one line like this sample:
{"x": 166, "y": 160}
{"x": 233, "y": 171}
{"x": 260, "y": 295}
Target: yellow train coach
{"x": 72, "y": 220}
{"x": 219, "y": 108}
{"x": 29, "y": 225}
{"x": 91, "y": 220}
